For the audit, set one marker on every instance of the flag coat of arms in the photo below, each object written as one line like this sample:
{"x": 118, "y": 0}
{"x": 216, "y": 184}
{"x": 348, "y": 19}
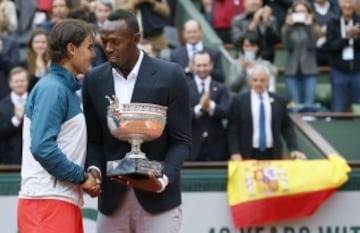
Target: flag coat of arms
{"x": 263, "y": 192}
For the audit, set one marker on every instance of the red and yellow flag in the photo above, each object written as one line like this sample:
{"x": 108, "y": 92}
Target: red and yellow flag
{"x": 263, "y": 192}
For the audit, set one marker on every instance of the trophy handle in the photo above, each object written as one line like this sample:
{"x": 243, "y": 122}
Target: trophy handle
{"x": 135, "y": 149}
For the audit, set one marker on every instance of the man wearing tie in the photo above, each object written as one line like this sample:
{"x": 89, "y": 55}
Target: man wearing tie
{"x": 210, "y": 104}
{"x": 259, "y": 121}
{"x": 11, "y": 115}
{"x": 193, "y": 43}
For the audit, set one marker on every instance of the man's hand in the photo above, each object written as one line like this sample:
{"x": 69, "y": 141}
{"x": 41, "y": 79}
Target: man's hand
{"x": 19, "y": 112}
{"x": 205, "y": 101}
{"x": 236, "y": 157}
{"x": 151, "y": 184}
{"x": 297, "y": 155}
{"x": 92, "y": 185}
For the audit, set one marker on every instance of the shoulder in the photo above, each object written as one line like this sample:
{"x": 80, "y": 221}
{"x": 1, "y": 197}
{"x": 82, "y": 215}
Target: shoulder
{"x": 278, "y": 98}
{"x": 99, "y": 69}
{"x": 179, "y": 50}
{"x": 6, "y": 101}
{"x": 242, "y": 97}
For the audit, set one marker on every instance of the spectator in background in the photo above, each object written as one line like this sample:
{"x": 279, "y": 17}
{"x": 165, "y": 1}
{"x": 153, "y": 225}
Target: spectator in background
{"x": 259, "y": 122}
{"x": 210, "y": 103}
{"x": 37, "y": 61}
{"x": 154, "y": 15}
{"x": 299, "y": 38}
{"x": 343, "y": 43}
{"x": 9, "y": 58}
{"x": 102, "y": 11}
{"x": 257, "y": 18}
{"x": 146, "y": 46}
{"x": 250, "y": 50}
{"x": 223, "y": 13}
{"x": 280, "y": 9}
{"x": 324, "y": 11}
{"x": 83, "y": 12}
{"x": 206, "y": 9}
{"x": 8, "y": 17}
{"x": 11, "y": 116}
{"x": 59, "y": 12}
{"x": 27, "y": 12}
{"x": 193, "y": 42}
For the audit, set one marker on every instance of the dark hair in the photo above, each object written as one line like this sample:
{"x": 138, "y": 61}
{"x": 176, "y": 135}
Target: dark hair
{"x": 305, "y": 3}
{"x": 67, "y": 31}
{"x": 254, "y": 38}
{"x": 202, "y": 52}
{"x": 129, "y": 18}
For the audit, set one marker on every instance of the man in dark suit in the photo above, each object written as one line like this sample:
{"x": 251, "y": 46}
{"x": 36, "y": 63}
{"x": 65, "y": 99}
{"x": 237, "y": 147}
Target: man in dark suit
{"x": 258, "y": 121}
{"x": 11, "y": 116}
{"x": 149, "y": 205}
{"x": 193, "y": 43}
{"x": 9, "y": 58}
{"x": 210, "y": 105}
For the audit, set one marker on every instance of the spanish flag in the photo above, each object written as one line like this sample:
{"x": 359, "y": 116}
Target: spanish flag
{"x": 264, "y": 192}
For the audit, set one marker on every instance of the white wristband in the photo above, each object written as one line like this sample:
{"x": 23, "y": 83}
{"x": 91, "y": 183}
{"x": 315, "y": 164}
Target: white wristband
{"x": 164, "y": 182}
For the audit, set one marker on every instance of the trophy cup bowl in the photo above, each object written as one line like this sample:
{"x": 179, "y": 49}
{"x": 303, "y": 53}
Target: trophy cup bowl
{"x": 135, "y": 123}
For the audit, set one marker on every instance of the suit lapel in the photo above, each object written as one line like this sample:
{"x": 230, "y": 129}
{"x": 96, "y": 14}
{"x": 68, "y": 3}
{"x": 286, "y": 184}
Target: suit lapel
{"x": 145, "y": 81}
{"x": 108, "y": 86}
{"x": 274, "y": 109}
{"x": 214, "y": 90}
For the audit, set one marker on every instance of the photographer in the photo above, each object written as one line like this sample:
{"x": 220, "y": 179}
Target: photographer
{"x": 299, "y": 38}
{"x": 257, "y": 18}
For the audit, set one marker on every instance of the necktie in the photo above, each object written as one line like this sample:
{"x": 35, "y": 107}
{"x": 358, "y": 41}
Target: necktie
{"x": 193, "y": 50}
{"x": 202, "y": 88}
{"x": 262, "y": 133}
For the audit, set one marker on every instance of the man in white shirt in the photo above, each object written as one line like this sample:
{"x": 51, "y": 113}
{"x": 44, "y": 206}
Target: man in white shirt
{"x": 210, "y": 104}
{"x": 259, "y": 121}
{"x": 11, "y": 116}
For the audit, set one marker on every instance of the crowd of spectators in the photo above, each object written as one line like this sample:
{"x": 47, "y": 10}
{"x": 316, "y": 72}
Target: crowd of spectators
{"x": 312, "y": 32}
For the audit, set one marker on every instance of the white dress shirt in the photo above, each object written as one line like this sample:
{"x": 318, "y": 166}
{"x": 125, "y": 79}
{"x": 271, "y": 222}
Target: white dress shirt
{"x": 17, "y": 100}
{"x": 207, "y": 81}
{"x": 191, "y": 47}
{"x": 124, "y": 87}
{"x": 255, "y": 110}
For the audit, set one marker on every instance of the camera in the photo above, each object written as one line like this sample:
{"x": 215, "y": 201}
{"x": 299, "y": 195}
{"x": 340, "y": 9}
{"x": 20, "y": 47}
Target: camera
{"x": 298, "y": 17}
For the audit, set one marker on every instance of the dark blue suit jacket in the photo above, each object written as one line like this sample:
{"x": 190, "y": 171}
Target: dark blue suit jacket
{"x": 181, "y": 57}
{"x": 213, "y": 125}
{"x": 158, "y": 82}
{"x": 241, "y": 126}
{"x": 9, "y": 58}
{"x": 10, "y": 135}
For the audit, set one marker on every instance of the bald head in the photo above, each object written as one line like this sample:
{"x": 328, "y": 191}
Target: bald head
{"x": 192, "y": 31}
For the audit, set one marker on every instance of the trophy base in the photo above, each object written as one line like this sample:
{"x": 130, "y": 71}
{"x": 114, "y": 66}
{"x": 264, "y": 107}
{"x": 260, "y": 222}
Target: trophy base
{"x": 136, "y": 168}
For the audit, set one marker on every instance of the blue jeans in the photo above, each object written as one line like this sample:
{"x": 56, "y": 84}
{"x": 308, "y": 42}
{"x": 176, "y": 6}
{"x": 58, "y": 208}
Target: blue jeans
{"x": 301, "y": 88}
{"x": 341, "y": 84}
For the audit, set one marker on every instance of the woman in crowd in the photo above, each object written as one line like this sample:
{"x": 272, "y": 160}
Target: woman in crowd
{"x": 299, "y": 39}
{"x": 250, "y": 50}
{"x": 37, "y": 62}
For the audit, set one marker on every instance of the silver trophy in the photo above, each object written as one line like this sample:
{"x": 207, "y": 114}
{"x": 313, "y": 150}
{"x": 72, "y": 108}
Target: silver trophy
{"x": 135, "y": 123}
